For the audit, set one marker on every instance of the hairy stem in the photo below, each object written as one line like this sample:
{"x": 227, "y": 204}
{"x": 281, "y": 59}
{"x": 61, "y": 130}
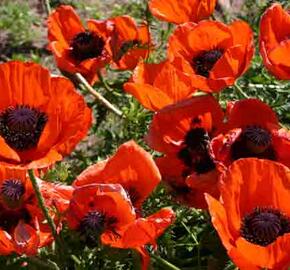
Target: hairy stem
{"x": 240, "y": 91}
{"x": 47, "y": 6}
{"x": 41, "y": 204}
{"x": 162, "y": 262}
{"x": 97, "y": 95}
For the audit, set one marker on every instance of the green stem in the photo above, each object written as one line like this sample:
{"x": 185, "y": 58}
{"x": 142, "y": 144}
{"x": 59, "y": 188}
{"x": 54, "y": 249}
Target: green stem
{"x": 48, "y": 7}
{"x": 162, "y": 262}
{"x": 42, "y": 204}
{"x": 97, "y": 95}
{"x": 43, "y": 265}
{"x": 195, "y": 241}
{"x": 104, "y": 83}
{"x": 240, "y": 91}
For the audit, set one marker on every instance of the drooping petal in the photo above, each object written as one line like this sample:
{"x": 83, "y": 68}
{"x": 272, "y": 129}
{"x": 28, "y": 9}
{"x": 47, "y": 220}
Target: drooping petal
{"x": 131, "y": 166}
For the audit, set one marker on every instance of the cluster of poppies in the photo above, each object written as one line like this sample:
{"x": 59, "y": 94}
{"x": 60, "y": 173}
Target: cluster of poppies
{"x": 233, "y": 162}
{"x": 42, "y": 119}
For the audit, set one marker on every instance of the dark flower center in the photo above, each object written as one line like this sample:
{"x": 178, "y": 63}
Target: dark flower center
{"x": 86, "y": 45}
{"x": 204, "y": 62}
{"x": 257, "y": 135}
{"x": 93, "y": 225}
{"x": 254, "y": 141}
{"x": 125, "y": 47}
{"x": 10, "y": 218}
{"x": 264, "y": 225}
{"x": 93, "y": 222}
{"x": 12, "y": 189}
{"x": 133, "y": 194}
{"x": 195, "y": 153}
{"x": 21, "y": 126}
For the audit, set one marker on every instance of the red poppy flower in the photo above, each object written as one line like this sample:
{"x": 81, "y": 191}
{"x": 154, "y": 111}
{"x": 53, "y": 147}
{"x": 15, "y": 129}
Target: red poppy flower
{"x": 252, "y": 217}
{"x": 105, "y": 211}
{"x": 131, "y": 166}
{"x": 100, "y": 209}
{"x": 274, "y": 41}
{"x": 158, "y": 85}
{"x": 215, "y": 54}
{"x": 141, "y": 232}
{"x": 76, "y": 48}
{"x": 181, "y": 11}
{"x": 182, "y": 132}
{"x": 252, "y": 130}
{"x": 22, "y": 226}
{"x": 42, "y": 118}
{"x": 129, "y": 42}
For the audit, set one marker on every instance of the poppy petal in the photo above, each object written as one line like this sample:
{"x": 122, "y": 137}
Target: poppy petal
{"x": 64, "y": 24}
{"x": 7, "y": 152}
{"x": 26, "y": 239}
{"x": 266, "y": 257}
{"x": 165, "y": 86}
{"x": 201, "y": 184}
{"x": 166, "y": 139}
{"x": 249, "y": 180}
{"x": 171, "y": 10}
{"x": 6, "y": 244}
{"x": 220, "y": 221}
{"x": 273, "y": 43}
{"x": 131, "y": 166}
{"x": 251, "y": 112}
{"x": 281, "y": 145}
{"x": 189, "y": 39}
{"x": 182, "y": 10}
{"x": 143, "y": 230}
{"x": 281, "y": 54}
{"x": 271, "y": 32}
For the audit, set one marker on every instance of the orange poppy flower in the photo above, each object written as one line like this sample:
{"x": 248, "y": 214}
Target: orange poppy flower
{"x": 252, "y": 130}
{"x": 42, "y": 118}
{"x": 131, "y": 166}
{"x": 141, "y": 232}
{"x": 100, "y": 209}
{"x": 252, "y": 216}
{"x": 182, "y": 132}
{"x": 181, "y": 11}
{"x": 215, "y": 54}
{"x": 274, "y": 41}
{"x": 22, "y": 226}
{"x": 105, "y": 211}
{"x": 76, "y": 48}
{"x": 158, "y": 85}
{"x": 129, "y": 42}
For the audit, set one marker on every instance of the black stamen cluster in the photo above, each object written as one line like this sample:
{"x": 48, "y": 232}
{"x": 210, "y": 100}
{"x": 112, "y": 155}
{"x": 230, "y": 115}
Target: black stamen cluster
{"x": 264, "y": 225}
{"x": 12, "y": 189}
{"x": 86, "y": 45}
{"x": 195, "y": 153}
{"x": 204, "y": 62}
{"x": 21, "y": 126}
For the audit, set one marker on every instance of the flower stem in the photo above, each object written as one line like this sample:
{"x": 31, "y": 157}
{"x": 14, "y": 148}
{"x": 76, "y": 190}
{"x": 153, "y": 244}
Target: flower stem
{"x": 49, "y": 265}
{"x": 42, "y": 204}
{"x": 166, "y": 265}
{"x": 47, "y": 6}
{"x": 104, "y": 83}
{"x": 240, "y": 91}
{"x": 97, "y": 95}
